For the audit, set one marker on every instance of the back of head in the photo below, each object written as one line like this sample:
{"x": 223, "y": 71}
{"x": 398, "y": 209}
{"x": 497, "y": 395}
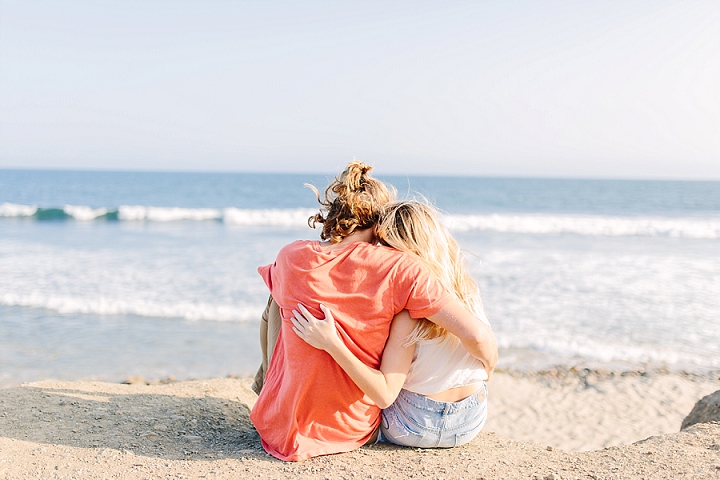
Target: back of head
{"x": 353, "y": 201}
{"x": 414, "y": 227}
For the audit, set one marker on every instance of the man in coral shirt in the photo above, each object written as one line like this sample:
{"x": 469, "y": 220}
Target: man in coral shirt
{"x": 308, "y": 405}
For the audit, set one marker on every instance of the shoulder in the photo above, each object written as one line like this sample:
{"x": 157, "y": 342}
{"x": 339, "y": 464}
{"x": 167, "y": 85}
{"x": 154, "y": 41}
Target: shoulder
{"x": 296, "y": 246}
{"x": 405, "y": 262}
{"x": 382, "y": 255}
{"x": 404, "y": 269}
{"x": 381, "y": 251}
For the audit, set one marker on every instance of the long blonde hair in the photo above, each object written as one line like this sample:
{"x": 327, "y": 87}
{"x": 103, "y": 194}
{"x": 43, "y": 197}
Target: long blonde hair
{"x": 353, "y": 201}
{"x": 414, "y": 227}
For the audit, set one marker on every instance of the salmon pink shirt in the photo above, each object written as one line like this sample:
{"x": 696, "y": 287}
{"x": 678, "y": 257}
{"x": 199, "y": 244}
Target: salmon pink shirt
{"x": 308, "y": 405}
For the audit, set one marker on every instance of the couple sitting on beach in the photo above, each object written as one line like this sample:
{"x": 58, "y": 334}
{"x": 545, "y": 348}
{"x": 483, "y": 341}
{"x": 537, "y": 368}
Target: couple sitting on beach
{"x": 403, "y": 329}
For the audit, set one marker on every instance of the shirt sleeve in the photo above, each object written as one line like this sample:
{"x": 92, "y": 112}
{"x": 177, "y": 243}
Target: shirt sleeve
{"x": 417, "y": 290}
{"x": 265, "y": 273}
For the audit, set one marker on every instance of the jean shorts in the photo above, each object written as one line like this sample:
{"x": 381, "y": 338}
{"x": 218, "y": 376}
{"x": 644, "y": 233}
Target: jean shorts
{"x": 414, "y": 420}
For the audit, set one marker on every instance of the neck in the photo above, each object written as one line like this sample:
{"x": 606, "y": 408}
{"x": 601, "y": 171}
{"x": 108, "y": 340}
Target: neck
{"x": 367, "y": 235}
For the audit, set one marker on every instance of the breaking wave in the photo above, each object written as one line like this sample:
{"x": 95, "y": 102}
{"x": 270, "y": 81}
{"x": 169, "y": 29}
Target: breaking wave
{"x": 230, "y": 216}
{"x": 534, "y": 224}
{"x": 590, "y": 225}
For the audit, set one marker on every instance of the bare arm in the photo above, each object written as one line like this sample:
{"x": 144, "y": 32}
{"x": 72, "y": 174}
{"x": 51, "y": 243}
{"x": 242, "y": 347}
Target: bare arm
{"x": 475, "y": 335}
{"x": 382, "y": 386}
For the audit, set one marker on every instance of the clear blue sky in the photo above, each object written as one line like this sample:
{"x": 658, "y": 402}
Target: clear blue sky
{"x": 614, "y": 89}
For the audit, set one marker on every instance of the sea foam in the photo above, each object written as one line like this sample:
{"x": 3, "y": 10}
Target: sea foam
{"x": 590, "y": 225}
{"x": 83, "y": 213}
{"x": 107, "y": 306}
{"x": 557, "y": 350}
{"x": 268, "y": 217}
{"x": 167, "y": 214}
{"x": 14, "y": 210}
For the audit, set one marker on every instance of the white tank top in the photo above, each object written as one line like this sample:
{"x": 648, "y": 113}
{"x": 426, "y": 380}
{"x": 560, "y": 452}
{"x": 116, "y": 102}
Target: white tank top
{"x": 443, "y": 363}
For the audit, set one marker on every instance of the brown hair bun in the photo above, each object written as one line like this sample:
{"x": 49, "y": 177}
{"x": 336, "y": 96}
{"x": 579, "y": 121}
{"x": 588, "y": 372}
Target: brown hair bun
{"x": 353, "y": 200}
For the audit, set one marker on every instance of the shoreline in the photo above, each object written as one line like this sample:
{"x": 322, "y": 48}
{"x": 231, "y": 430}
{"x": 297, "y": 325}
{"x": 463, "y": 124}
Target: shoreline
{"x": 542, "y": 425}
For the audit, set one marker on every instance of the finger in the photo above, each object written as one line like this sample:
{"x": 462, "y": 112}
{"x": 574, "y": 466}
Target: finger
{"x": 298, "y": 333}
{"x": 297, "y": 316}
{"x": 328, "y": 314}
{"x": 306, "y": 313}
{"x": 297, "y": 324}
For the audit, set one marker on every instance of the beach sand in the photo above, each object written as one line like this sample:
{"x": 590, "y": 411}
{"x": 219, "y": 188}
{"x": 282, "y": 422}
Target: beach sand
{"x": 200, "y": 429}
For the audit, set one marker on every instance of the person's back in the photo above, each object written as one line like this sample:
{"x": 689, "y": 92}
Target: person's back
{"x": 443, "y": 363}
{"x": 308, "y": 405}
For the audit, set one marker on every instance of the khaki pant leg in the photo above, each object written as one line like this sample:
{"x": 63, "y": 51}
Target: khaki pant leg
{"x": 270, "y": 325}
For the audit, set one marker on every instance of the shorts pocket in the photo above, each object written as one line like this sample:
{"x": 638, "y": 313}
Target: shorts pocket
{"x": 394, "y": 430}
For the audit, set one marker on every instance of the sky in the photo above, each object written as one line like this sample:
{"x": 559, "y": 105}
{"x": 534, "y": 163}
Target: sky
{"x": 611, "y": 89}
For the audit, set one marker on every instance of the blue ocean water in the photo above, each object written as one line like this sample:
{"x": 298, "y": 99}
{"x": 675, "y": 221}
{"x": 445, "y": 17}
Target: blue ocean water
{"x": 110, "y": 274}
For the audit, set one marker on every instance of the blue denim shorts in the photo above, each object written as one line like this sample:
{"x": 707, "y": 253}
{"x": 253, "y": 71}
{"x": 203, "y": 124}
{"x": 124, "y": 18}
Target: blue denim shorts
{"x": 414, "y": 420}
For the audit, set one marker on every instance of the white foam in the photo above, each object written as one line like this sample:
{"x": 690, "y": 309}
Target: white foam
{"x": 291, "y": 217}
{"x": 14, "y": 210}
{"x": 83, "y": 213}
{"x": 105, "y": 306}
{"x": 167, "y": 214}
{"x": 588, "y": 349}
{"x": 592, "y": 225}
{"x": 268, "y": 217}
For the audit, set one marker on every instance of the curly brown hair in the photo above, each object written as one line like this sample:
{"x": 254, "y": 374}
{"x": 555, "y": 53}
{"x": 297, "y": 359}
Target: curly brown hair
{"x": 353, "y": 201}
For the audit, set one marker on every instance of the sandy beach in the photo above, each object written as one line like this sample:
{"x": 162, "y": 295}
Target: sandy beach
{"x": 558, "y": 424}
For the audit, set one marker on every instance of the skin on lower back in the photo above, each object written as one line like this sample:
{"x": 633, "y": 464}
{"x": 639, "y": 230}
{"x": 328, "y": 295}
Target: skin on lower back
{"x": 455, "y": 394}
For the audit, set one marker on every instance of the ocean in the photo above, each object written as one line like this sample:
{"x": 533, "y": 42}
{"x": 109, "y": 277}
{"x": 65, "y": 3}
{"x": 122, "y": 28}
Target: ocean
{"x": 106, "y": 275}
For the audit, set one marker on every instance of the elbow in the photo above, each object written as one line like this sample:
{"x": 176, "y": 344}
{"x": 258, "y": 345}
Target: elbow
{"x": 483, "y": 342}
{"x": 384, "y": 401}
{"x": 493, "y": 360}
{"x": 484, "y": 347}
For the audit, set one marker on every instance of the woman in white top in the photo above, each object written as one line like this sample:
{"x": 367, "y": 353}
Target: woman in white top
{"x": 432, "y": 390}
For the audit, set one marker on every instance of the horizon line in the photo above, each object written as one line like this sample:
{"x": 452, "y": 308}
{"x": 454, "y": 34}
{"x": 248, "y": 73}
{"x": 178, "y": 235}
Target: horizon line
{"x": 424, "y": 175}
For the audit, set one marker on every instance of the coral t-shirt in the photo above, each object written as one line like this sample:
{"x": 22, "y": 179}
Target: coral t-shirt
{"x": 308, "y": 405}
